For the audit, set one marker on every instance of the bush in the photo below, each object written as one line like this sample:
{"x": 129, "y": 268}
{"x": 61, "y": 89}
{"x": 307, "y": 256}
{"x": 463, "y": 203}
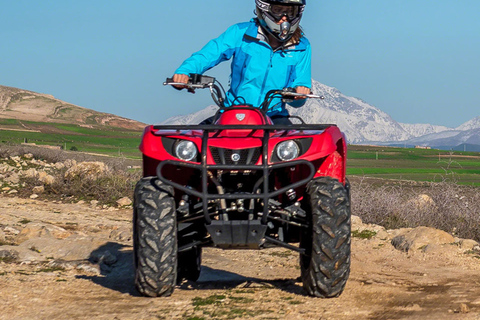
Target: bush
{"x": 445, "y": 205}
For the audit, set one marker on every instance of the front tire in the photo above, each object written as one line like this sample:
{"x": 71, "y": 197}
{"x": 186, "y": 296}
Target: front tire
{"x": 155, "y": 238}
{"x": 325, "y": 266}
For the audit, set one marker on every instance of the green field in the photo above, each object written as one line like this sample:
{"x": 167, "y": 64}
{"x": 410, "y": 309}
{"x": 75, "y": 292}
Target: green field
{"x": 104, "y": 140}
{"x": 414, "y": 164}
{"x": 368, "y": 161}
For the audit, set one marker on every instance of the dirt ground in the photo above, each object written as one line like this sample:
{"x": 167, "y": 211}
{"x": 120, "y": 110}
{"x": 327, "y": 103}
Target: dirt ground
{"x": 384, "y": 283}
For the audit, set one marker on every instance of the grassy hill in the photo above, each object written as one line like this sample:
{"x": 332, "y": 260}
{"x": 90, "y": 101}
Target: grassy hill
{"x": 31, "y": 117}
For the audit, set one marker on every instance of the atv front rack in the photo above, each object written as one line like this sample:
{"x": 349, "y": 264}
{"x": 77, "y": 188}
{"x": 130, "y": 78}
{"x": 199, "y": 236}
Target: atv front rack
{"x": 203, "y": 167}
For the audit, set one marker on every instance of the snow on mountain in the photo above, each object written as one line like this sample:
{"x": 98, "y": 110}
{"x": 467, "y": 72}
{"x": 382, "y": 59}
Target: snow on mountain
{"x": 471, "y": 124}
{"x": 360, "y": 121}
{"x": 192, "y": 118}
{"x": 449, "y": 139}
{"x": 421, "y": 129}
{"x": 364, "y": 123}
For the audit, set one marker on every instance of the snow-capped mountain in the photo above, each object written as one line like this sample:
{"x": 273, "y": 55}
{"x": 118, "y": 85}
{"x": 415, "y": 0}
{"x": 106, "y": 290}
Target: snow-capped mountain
{"x": 360, "y": 121}
{"x": 364, "y": 123}
{"x": 471, "y": 124}
{"x": 421, "y": 129}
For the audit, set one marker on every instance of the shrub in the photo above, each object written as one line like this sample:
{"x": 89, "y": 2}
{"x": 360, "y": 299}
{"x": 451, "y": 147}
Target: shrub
{"x": 453, "y": 208}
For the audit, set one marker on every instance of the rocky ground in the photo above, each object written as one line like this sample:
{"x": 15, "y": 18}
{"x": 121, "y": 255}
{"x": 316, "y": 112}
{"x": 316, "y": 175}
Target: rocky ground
{"x": 74, "y": 261}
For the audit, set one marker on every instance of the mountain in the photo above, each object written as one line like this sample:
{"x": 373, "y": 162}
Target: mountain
{"x": 421, "y": 129}
{"x": 364, "y": 123}
{"x": 472, "y": 124}
{"x": 27, "y": 105}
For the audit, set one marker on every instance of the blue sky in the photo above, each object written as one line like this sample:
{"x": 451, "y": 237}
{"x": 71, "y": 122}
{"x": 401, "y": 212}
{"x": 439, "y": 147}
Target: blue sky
{"x": 417, "y": 60}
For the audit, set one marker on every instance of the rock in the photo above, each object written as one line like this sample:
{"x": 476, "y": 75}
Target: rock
{"x": 36, "y": 229}
{"x": 422, "y": 202}
{"x": 125, "y": 201}
{"x": 8, "y": 254}
{"x": 34, "y": 196}
{"x": 467, "y": 244}
{"x": 76, "y": 247}
{"x": 6, "y": 189}
{"x": 90, "y": 170}
{"x": 103, "y": 257}
{"x": 38, "y": 189}
{"x": 464, "y": 308}
{"x": 59, "y": 165}
{"x": 70, "y": 163}
{"x": 12, "y": 191}
{"x": 45, "y": 178}
{"x": 11, "y": 230}
{"x": 12, "y": 178}
{"x": 30, "y": 173}
{"x": 356, "y": 222}
{"x": 122, "y": 234}
{"x": 93, "y": 203}
{"x": 28, "y": 156}
{"x": 420, "y": 237}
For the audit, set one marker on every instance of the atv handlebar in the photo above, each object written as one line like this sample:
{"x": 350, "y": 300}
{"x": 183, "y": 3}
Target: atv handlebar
{"x": 198, "y": 81}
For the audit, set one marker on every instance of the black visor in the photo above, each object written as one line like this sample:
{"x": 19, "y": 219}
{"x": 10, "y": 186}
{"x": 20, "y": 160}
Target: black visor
{"x": 279, "y": 11}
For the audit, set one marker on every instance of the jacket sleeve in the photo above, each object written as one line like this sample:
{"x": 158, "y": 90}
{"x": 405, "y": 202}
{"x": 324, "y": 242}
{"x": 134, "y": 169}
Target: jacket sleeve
{"x": 214, "y": 52}
{"x": 303, "y": 74}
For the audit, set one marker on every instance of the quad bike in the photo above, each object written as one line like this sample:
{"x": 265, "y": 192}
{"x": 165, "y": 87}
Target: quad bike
{"x": 241, "y": 183}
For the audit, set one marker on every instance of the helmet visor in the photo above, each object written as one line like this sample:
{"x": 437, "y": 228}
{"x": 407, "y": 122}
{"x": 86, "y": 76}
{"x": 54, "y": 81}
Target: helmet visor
{"x": 279, "y": 11}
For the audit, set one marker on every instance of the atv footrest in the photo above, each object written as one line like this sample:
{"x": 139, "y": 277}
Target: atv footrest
{"x": 237, "y": 233}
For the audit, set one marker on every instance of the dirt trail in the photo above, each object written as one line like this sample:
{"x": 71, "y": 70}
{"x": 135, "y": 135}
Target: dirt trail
{"x": 384, "y": 282}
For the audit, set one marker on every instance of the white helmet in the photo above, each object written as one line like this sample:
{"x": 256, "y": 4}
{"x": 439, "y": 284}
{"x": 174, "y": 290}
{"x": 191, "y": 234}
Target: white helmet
{"x": 270, "y": 12}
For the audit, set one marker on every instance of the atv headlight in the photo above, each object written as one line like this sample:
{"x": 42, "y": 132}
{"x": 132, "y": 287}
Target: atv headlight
{"x": 288, "y": 150}
{"x": 185, "y": 150}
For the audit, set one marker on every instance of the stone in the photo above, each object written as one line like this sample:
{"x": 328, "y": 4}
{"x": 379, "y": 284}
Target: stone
{"x": 30, "y": 173}
{"x": 12, "y": 178}
{"x": 8, "y": 254}
{"x": 11, "y": 230}
{"x": 28, "y": 156}
{"x": 419, "y": 238}
{"x": 34, "y": 196}
{"x": 467, "y": 244}
{"x": 38, "y": 189}
{"x": 45, "y": 178}
{"x": 87, "y": 169}
{"x": 125, "y": 201}
{"x": 422, "y": 202}
{"x": 59, "y": 165}
{"x": 356, "y": 222}
{"x": 37, "y": 229}
{"x": 103, "y": 257}
{"x": 75, "y": 247}
{"x": 122, "y": 234}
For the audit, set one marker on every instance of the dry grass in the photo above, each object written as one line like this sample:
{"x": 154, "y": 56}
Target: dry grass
{"x": 445, "y": 205}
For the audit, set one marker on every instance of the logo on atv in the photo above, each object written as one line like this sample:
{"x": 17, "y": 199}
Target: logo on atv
{"x": 240, "y": 116}
{"x": 235, "y": 157}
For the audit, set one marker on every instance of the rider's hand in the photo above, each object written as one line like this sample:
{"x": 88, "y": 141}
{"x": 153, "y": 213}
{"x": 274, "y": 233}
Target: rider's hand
{"x": 180, "y": 78}
{"x": 303, "y": 90}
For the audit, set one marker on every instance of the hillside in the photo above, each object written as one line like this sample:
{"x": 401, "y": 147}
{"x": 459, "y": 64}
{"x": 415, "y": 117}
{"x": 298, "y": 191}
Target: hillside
{"x": 30, "y": 106}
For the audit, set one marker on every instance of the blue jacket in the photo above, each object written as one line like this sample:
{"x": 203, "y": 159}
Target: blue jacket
{"x": 256, "y": 68}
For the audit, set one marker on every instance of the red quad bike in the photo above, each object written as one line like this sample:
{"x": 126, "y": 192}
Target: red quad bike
{"x": 241, "y": 183}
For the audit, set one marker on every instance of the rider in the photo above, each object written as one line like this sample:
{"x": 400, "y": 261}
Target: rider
{"x": 269, "y": 52}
